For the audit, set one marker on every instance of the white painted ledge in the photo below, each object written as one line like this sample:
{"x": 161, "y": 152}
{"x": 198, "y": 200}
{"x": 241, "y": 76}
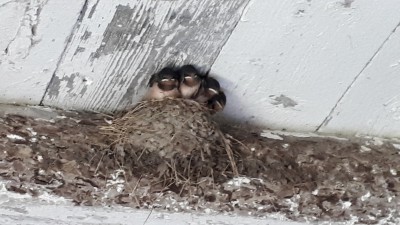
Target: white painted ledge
{"x": 24, "y": 210}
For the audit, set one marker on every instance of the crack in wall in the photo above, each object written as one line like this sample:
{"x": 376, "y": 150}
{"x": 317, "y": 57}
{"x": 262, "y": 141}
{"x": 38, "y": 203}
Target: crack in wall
{"x": 6, "y": 3}
{"x": 328, "y": 118}
{"x": 242, "y": 14}
{"x": 20, "y": 46}
{"x": 74, "y": 28}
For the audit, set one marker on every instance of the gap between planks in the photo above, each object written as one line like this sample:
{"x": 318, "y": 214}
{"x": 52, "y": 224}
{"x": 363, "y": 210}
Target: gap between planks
{"x": 330, "y": 115}
{"x": 63, "y": 53}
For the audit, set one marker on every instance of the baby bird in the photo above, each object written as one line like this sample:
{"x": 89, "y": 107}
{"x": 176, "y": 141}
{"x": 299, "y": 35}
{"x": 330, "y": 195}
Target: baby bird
{"x": 163, "y": 84}
{"x": 190, "y": 81}
{"x": 217, "y": 102}
{"x": 209, "y": 88}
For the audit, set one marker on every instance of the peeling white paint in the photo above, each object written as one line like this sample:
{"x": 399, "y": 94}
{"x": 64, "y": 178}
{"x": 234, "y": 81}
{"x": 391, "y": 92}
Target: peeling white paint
{"x": 33, "y": 35}
{"x": 131, "y": 39}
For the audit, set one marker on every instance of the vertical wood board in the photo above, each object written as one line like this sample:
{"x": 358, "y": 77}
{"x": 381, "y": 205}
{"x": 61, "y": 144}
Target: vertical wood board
{"x": 119, "y": 44}
{"x": 287, "y": 63}
{"x": 33, "y": 35}
{"x": 372, "y": 105}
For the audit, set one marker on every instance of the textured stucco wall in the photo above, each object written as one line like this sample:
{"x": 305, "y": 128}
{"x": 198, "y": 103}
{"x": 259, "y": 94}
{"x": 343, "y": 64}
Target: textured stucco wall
{"x": 320, "y": 66}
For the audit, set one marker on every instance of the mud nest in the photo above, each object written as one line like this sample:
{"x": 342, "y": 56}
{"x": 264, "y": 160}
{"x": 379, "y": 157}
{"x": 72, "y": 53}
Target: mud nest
{"x": 174, "y": 139}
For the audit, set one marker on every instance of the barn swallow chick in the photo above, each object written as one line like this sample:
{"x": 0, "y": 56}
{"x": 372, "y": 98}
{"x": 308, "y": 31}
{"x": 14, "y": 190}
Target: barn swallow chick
{"x": 217, "y": 102}
{"x": 163, "y": 84}
{"x": 209, "y": 89}
{"x": 190, "y": 81}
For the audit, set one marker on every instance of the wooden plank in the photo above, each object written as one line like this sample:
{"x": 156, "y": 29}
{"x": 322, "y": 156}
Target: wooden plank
{"x": 33, "y": 35}
{"x": 372, "y": 104}
{"x": 121, "y": 42}
{"x": 288, "y": 62}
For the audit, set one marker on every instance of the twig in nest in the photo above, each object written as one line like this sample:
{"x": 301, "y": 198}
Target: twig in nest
{"x": 134, "y": 189}
{"x": 229, "y": 152}
{"x": 236, "y": 140}
{"x": 101, "y": 159}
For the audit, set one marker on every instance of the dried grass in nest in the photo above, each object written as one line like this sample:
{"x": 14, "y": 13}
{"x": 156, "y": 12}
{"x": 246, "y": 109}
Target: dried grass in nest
{"x": 175, "y": 139}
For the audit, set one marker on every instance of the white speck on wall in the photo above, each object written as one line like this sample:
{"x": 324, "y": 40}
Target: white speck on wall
{"x": 116, "y": 182}
{"x": 271, "y": 135}
{"x": 239, "y": 181}
{"x": 346, "y": 205}
{"x": 30, "y": 129}
{"x": 15, "y": 137}
{"x": 208, "y": 211}
{"x": 397, "y": 146}
{"x": 377, "y": 141}
{"x": 364, "y": 149}
{"x": 294, "y": 205}
{"x": 286, "y": 145}
{"x": 366, "y": 196}
{"x": 393, "y": 172}
{"x": 88, "y": 81}
{"x": 41, "y": 119}
{"x": 375, "y": 169}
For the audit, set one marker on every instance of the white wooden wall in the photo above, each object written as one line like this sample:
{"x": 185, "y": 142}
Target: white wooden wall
{"x": 308, "y": 65}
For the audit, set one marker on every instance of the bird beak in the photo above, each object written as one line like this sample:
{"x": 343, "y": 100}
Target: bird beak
{"x": 166, "y": 80}
{"x": 220, "y": 106}
{"x": 213, "y": 91}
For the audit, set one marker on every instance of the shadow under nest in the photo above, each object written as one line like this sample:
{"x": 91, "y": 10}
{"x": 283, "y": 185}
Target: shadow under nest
{"x": 175, "y": 140}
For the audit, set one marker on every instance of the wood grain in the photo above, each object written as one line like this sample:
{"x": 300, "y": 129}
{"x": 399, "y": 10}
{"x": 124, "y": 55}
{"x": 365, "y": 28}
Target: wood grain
{"x": 33, "y": 35}
{"x": 119, "y": 44}
{"x": 372, "y": 104}
{"x": 287, "y": 63}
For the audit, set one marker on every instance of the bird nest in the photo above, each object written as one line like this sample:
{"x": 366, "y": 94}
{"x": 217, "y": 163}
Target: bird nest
{"x": 175, "y": 139}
